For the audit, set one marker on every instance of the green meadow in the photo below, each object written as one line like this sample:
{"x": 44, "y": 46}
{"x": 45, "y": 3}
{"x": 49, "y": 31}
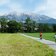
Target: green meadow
{"x": 18, "y": 45}
{"x": 47, "y": 36}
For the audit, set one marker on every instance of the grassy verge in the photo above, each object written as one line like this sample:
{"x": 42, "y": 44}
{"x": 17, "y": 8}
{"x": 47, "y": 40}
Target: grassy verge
{"x": 17, "y": 45}
{"x": 47, "y": 36}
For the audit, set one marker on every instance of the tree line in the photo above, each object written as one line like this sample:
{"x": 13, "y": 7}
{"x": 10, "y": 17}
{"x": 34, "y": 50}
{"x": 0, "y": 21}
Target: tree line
{"x": 12, "y": 26}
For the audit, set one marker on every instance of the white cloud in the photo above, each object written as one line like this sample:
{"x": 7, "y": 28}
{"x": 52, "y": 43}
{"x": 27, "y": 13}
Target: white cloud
{"x": 4, "y": 2}
{"x": 4, "y": 13}
{"x": 11, "y": 7}
{"x": 39, "y": 9}
{"x": 31, "y": 1}
{"x": 49, "y": 8}
{"x": 15, "y": 8}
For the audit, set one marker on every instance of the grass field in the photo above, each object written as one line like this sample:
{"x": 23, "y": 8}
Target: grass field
{"x": 17, "y": 45}
{"x": 47, "y": 36}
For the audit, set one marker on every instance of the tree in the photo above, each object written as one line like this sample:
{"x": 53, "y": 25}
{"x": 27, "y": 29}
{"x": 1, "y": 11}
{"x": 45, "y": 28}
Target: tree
{"x": 3, "y": 23}
{"x": 45, "y": 27}
{"x": 20, "y": 25}
{"x": 54, "y": 27}
{"x": 13, "y": 26}
{"x": 28, "y": 23}
{"x": 31, "y": 25}
{"x": 40, "y": 27}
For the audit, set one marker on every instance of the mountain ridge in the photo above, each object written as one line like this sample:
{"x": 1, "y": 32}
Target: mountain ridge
{"x": 36, "y": 17}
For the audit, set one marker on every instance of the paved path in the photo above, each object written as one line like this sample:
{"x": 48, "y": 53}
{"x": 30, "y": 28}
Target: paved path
{"x": 49, "y": 43}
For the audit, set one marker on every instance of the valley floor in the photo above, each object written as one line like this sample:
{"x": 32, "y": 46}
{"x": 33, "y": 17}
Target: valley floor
{"x": 18, "y": 45}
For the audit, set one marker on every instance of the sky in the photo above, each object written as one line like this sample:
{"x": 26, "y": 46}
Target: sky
{"x": 44, "y": 7}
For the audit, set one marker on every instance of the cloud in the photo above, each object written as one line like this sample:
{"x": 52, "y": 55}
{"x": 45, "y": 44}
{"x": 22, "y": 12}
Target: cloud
{"x": 3, "y": 7}
{"x": 2, "y": 2}
{"x": 39, "y": 9}
{"x": 15, "y": 7}
{"x": 8, "y": 6}
{"x": 46, "y": 7}
{"x": 31, "y": 1}
{"x": 49, "y": 8}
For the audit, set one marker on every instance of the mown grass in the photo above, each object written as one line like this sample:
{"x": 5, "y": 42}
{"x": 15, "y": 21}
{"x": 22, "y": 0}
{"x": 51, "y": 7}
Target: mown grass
{"x": 17, "y": 45}
{"x": 47, "y": 36}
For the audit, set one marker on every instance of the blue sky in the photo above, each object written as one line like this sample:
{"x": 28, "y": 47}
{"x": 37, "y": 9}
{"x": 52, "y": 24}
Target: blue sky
{"x": 46, "y": 7}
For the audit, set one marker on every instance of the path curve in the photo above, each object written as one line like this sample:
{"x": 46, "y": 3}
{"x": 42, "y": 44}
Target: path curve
{"x": 51, "y": 44}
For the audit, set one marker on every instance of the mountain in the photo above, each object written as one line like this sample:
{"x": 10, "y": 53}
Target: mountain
{"x": 38, "y": 18}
